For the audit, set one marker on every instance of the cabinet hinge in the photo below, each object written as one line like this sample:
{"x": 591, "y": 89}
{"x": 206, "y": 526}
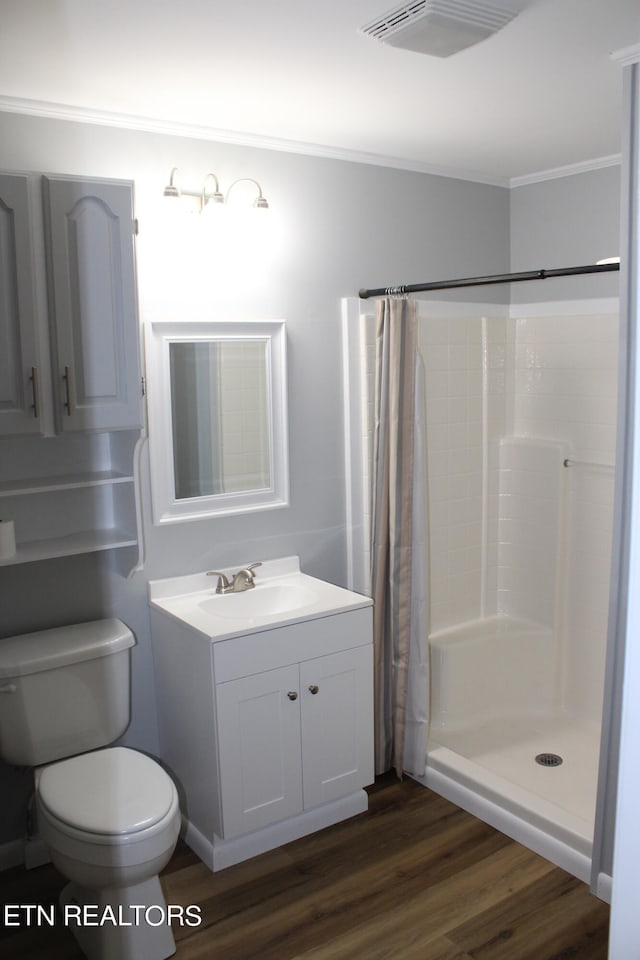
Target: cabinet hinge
{"x": 136, "y": 226}
{"x": 143, "y": 386}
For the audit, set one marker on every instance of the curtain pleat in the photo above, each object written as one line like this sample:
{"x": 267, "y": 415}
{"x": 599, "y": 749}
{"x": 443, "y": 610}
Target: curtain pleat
{"x": 392, "y": 524}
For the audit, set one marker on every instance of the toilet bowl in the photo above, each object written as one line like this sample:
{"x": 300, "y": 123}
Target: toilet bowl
{"x": 109, "y": 815}
{"x": 111, "y": 820}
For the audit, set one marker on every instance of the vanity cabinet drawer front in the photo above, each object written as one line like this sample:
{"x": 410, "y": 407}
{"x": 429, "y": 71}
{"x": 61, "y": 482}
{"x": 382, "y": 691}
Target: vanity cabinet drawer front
{"x": 269, "y": 649}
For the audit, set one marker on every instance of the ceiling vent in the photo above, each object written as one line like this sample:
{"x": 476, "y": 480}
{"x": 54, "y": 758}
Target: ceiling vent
{"x": 442, "y": 27}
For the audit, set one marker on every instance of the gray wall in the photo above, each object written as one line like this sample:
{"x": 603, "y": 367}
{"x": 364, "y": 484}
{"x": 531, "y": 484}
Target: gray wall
{"x": 340, "y": 226}
{"x": 565, "y": 222}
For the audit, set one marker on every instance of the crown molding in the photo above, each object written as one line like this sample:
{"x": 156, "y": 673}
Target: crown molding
{"x": 75, "y": 114}
{"x": 627, "y": 55}
{"x": 60, "y": 111}
{"x": 570, "y": 170}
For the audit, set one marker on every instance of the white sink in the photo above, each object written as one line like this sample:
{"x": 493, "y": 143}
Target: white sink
{"x": 279, "y": 596}
{"x": 282, "y": 595}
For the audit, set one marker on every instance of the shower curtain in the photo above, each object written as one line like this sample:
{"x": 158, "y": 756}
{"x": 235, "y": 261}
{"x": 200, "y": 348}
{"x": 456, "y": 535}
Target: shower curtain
{"x": 399, "y": 543}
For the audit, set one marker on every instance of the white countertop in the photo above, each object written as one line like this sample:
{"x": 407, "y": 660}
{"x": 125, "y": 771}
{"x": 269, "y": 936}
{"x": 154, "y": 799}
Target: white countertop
{"x": 192, "y": 600}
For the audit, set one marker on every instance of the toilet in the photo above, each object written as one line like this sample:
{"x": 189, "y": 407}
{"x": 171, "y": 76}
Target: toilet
{"x": 110, "y": 817}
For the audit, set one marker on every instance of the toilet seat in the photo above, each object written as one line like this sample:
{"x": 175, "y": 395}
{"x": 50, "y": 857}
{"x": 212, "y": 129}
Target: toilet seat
{"x": 108, "y": 795}
{"x": 127, "y": 854}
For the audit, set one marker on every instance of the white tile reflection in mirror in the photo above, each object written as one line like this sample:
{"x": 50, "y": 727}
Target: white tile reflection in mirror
{"x": 218, "y": 418}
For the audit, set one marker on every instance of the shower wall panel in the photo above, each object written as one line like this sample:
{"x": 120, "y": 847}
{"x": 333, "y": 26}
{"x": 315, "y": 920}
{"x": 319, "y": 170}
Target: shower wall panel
{"x": 367, "y": 381}
{"x": 530, "y": 529}
{"x": 464, "y": 357}
{"x": 546, "y": 372}
{"x": 498, "y": 389}
{"x": 565, "y": 383}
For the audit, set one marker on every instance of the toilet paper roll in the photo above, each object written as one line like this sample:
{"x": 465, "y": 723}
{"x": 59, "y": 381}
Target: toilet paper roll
{"x": 7, "y": 540}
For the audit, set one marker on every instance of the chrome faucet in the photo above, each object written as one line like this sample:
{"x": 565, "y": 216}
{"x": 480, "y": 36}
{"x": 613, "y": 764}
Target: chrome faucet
{"x": 242, "y": 580}
{"x": 245, "y": 579}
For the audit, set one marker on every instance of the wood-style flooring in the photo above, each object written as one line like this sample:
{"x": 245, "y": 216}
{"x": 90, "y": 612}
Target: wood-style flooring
{"x": 415, "y": 878}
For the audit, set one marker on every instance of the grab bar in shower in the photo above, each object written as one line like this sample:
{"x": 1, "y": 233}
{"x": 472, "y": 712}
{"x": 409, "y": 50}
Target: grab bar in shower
{"x": 591, "y": 464}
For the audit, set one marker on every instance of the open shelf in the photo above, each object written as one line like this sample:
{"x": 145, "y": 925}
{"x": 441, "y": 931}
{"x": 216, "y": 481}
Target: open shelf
{"x": 83, "y": 502}
{"x": 25, "y": 487}
{"x": 89, "y": 541}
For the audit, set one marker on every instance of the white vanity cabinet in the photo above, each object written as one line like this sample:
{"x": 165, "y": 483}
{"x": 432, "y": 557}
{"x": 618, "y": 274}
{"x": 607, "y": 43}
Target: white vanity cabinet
{"x": 293, "y": 738}
{"x": 268, "y": 734}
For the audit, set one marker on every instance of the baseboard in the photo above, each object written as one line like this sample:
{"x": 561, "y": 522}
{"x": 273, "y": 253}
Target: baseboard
{"x": 224, "y": 853}
{"x": 516, "y": 827}
{"x": 29, "y": 853}
{"x": 11, "y": 854}
{"x": 603, "y": 887}
{"x": 36, "y": 852}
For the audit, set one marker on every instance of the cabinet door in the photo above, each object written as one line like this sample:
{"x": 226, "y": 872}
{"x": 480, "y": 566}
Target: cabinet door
{"x": 19, "y": 402}
{"x": 90, "y": 234}
{"x": 259, "y": 749}
{"x": 337, "y": 724}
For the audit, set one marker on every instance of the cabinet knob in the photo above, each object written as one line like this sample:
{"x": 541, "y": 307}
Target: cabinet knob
{"x": 313, "y": 688}
{"x": 292, "y": 695}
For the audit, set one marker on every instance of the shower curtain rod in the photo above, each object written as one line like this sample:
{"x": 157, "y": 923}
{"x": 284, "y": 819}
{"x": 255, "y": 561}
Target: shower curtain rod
{"x": 364, "y": 294}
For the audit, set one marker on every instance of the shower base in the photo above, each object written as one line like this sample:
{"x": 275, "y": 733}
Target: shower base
{"x": 491, "y": 772}
{"x": 486, "y": 761}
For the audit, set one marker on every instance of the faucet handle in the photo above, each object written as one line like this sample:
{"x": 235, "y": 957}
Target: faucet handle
{"x": 223, "y": 582}
{"x": 244, "y": 578}
{"x": 248, "y": 572}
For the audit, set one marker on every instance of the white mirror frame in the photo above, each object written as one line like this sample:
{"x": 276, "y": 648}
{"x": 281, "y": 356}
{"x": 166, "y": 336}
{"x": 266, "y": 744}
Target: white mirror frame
{"x": 160, "y": 335}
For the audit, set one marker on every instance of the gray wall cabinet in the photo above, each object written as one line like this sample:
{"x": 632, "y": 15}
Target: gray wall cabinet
{"x": 92, "y": 302}
{"x": 70, "y": 387}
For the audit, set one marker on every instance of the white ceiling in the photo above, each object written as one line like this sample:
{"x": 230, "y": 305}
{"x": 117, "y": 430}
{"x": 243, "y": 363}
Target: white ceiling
{"x": 542, "y": 93}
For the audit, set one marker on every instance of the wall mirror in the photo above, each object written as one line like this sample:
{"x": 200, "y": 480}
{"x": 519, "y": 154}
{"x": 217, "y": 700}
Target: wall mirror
{"x": 217, "y": 418}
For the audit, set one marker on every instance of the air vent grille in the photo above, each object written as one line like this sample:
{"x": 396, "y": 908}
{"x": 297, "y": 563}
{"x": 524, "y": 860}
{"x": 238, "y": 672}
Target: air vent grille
{"x": 395, "y": 19}
{"x": 438, "y": 27}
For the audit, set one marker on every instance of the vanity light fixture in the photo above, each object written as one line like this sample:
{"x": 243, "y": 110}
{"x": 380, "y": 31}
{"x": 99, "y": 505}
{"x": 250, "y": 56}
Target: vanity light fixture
{"x": 210, "y": 193}
{"x": 216, "y": 196}
{"x": 172, "y": 190}
{"x": 260, "y": 203}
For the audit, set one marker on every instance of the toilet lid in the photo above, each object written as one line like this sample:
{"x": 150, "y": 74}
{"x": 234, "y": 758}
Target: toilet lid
{"x": 114, "y": 791}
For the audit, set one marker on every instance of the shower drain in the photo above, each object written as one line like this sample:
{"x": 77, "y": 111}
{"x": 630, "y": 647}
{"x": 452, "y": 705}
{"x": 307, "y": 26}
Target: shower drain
{"x": 549, "y": 759}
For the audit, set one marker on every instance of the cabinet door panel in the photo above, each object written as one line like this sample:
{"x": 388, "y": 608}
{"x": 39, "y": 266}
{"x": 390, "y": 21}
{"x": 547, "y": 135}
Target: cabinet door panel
{"x": 259, "y": 750}
{"x": 337, "y": 724}
{"x": 18, "y": 355}
{"x": 94, "y": 304}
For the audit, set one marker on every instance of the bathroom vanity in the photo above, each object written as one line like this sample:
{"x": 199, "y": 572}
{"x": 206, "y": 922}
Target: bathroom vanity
{"x": 265, "y": 705}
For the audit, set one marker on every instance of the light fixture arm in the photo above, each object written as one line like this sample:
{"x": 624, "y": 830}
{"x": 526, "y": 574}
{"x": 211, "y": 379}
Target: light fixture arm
{"x": 215, "y": 197}
{"x": 173, "y": 190}
{"x": 206, "y": 196}
{"x": 260, "y": 201}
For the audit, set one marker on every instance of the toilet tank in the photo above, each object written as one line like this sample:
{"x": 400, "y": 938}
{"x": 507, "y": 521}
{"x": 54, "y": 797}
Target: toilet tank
{"x": 64, "y": 691}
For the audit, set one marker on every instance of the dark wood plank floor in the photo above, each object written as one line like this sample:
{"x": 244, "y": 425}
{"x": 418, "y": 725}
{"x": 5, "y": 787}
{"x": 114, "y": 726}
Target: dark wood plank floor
{"x": 415, "y": 878}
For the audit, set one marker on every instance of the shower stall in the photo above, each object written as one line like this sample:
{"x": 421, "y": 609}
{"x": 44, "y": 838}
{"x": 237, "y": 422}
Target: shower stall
{"x": 520, "y": 426}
